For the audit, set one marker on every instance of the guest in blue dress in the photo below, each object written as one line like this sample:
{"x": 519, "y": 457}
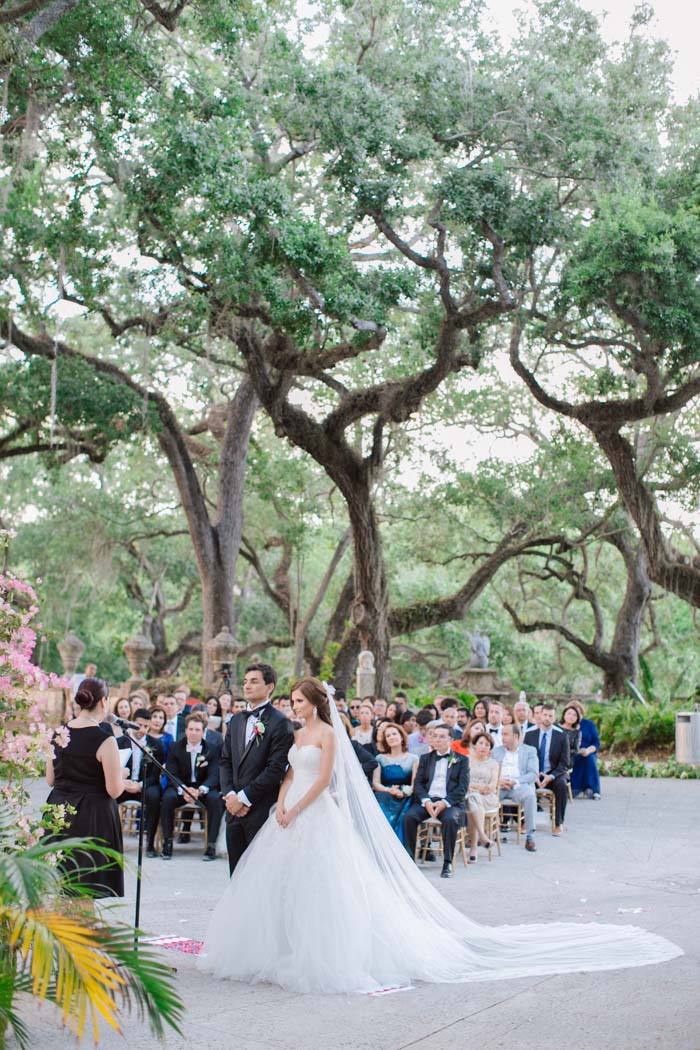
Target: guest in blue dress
{"x": 158, "y": 720}
{"x": 393, "y": 778}
{"x": 585, "y": 778}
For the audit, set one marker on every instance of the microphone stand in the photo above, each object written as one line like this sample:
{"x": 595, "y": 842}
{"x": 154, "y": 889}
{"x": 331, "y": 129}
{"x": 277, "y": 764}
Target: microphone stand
{"x": 149, "y": 758}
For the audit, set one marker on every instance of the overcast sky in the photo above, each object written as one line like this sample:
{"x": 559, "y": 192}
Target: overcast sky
{"x": 677, "y": 22}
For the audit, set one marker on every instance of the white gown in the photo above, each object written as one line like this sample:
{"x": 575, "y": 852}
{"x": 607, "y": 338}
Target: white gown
{"x": 311, "y": 908}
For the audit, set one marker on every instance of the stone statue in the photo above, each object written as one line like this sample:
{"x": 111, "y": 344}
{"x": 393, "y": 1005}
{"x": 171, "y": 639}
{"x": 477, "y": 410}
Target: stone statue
{"x": 366, "y": 673}
{"x": 481, "y": 648}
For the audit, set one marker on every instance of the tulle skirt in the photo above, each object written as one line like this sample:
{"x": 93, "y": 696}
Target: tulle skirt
{"x": 308, "y": 909}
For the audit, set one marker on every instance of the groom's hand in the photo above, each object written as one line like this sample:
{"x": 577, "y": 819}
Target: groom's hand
{"x": 233, "y": 804}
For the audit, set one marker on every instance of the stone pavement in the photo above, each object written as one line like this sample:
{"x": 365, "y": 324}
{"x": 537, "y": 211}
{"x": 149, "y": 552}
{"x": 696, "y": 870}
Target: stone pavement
{"x": 633, "y": 857}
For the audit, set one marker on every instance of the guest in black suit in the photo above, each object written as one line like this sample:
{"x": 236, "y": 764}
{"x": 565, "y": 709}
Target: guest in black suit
{"x": 196, "y": 764}
{"x": 253, "y": 761}
{"x": 175, "y": 724}
{"x": 215, "y": 740}
{"x": 140, "y": 770}
{"x": 439, "y": 791}
{"x": 212, "y": 736}
{"x": 552, "y": 746}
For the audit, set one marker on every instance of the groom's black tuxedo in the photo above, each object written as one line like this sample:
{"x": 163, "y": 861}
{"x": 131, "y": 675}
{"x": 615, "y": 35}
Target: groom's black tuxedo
{"x": 257, "y": 769}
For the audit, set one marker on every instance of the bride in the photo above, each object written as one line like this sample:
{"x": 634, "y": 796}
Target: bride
{"x": 327, "y": 900}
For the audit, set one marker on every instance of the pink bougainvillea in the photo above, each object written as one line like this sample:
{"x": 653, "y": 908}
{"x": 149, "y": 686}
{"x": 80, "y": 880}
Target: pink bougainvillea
{"x": 25, "y": 738}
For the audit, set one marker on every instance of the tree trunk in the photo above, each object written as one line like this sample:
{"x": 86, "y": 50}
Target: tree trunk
{"x": 370, "y": 610}
{"x": 630, "y": 619}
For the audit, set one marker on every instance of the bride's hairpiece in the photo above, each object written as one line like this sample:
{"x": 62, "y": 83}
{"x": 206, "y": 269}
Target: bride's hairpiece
{"x": 330, "y": 690}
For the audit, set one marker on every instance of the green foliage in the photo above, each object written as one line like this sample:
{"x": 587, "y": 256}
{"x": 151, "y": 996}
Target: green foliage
{"x": 623, "y": 724}
{"x": 635, "y": 767}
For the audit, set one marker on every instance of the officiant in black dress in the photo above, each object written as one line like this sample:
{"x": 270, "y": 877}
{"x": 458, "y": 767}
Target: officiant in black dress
{"x": 86, "y": 774}
{"x": 253, "y": 761}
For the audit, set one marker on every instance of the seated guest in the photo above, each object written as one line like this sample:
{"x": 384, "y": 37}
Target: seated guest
{"x": 363, "y": 732}
{"x": 401, "y": 701}
{"x": 286, "y": 707}
{"x": 408, "y": 722}
{"x": 380, "y": 725}
{"x": 341, "y": 702}
{"x": 211, "y": 736}
{"x": 495, "y": 722}
{"x": 439, "y": 793}
{"x": 481, "y": 710}
{"x": 482, "y": 797}
{"x": 449, "y": 717}
{"x": 215, "y": 713}
{"x": 175, "y": 719}
{"x": 433, "y": 712}
{"x": 522, "y": 713}
{"x": 122, "y": 708}
{"x": 354, "y": 712}
{"x": 196, "y": 764}
{"x": 585, "y": 778}
{"x": 474, "y": 726}
{"x": 139, "y": 700}
{"x": 364, "y": 757}
{"x": 393, "y": 778}
{"x": 145, "y": 772}
{"x": 379, "y": 706}
{"x": 536, "y": 712}
{"x": 552, "y": 746}
{"x": 225, "y": 702}
{"x": 519, "y": 773}
{"x": 418, "y": 741}
{"x": 392, "y": 712}
{"x": 507, "y": 716}
{"x": 463, "y": 716}
{"x": 238, "y": 705}
{"x": 156, "y": 727}
{"x": 570, "y": 723}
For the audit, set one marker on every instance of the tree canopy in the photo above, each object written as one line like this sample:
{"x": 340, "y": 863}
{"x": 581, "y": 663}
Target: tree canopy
{"x": 288, "y": 266}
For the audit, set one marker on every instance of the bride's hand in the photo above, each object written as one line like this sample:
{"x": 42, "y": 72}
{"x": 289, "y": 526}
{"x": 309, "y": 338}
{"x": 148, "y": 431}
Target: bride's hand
{"x": 287, "y": 818}
{"x": 279, "y": 812}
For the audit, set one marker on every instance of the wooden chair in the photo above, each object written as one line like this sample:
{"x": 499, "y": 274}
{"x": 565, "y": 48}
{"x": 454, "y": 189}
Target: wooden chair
{"x": 185, "y": 815}
{"x": 512, "y": 811}
{"x": 429, "y": 838}
{"x": 129, "y": 816}
{"x": 184, "y": 818}
{"x": 545, "y": 795}
{"x": 492, "y": 821}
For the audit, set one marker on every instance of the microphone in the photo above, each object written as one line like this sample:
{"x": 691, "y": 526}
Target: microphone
{"x": 123, "y": 723}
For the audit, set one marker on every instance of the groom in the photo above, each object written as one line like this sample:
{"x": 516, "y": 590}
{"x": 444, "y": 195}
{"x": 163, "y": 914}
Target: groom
{"x": 253, "y": 761}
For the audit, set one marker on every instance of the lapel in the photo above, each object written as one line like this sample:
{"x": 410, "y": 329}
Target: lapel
{"x": 264, "y": 718}
{"x": 238, "y": 733}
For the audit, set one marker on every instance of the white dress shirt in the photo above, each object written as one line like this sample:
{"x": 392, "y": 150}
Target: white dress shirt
{"x": 510, "y": 767}
{"x": 438, "y": 785}
{"x": 136, "y": 756}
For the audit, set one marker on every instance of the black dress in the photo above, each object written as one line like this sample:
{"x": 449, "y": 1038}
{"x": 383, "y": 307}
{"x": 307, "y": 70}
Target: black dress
{"x": 80, "y": 782}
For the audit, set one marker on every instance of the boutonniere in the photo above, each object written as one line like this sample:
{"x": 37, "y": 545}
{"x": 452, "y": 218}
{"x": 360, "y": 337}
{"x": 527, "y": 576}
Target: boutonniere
{"x": 258, "y": 730}
{"x": 451, "y": 759}
{"x": 200, "y": 761}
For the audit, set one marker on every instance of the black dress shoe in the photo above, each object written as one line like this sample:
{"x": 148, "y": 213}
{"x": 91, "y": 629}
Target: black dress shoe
{"x": 446, "y": 872}
{"x": 209, "y": 853}
{"x": 430, "y": 855}
{"x": 150, "y": 852}
{"x": 183, "y": 839}
{"x": 167, "y": 853}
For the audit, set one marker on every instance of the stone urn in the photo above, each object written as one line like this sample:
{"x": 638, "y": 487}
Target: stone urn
{"x": 223, "y": 652}
{"x": 138, "y": 650}
{"x": 70, "y": 650}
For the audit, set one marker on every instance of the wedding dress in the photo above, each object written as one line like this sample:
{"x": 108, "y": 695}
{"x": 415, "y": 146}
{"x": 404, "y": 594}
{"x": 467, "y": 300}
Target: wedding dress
{"x": 333, "y": 903}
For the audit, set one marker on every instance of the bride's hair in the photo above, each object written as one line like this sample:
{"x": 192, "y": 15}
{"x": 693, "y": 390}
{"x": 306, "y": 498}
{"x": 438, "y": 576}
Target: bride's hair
{"x": 315, "y": 692}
